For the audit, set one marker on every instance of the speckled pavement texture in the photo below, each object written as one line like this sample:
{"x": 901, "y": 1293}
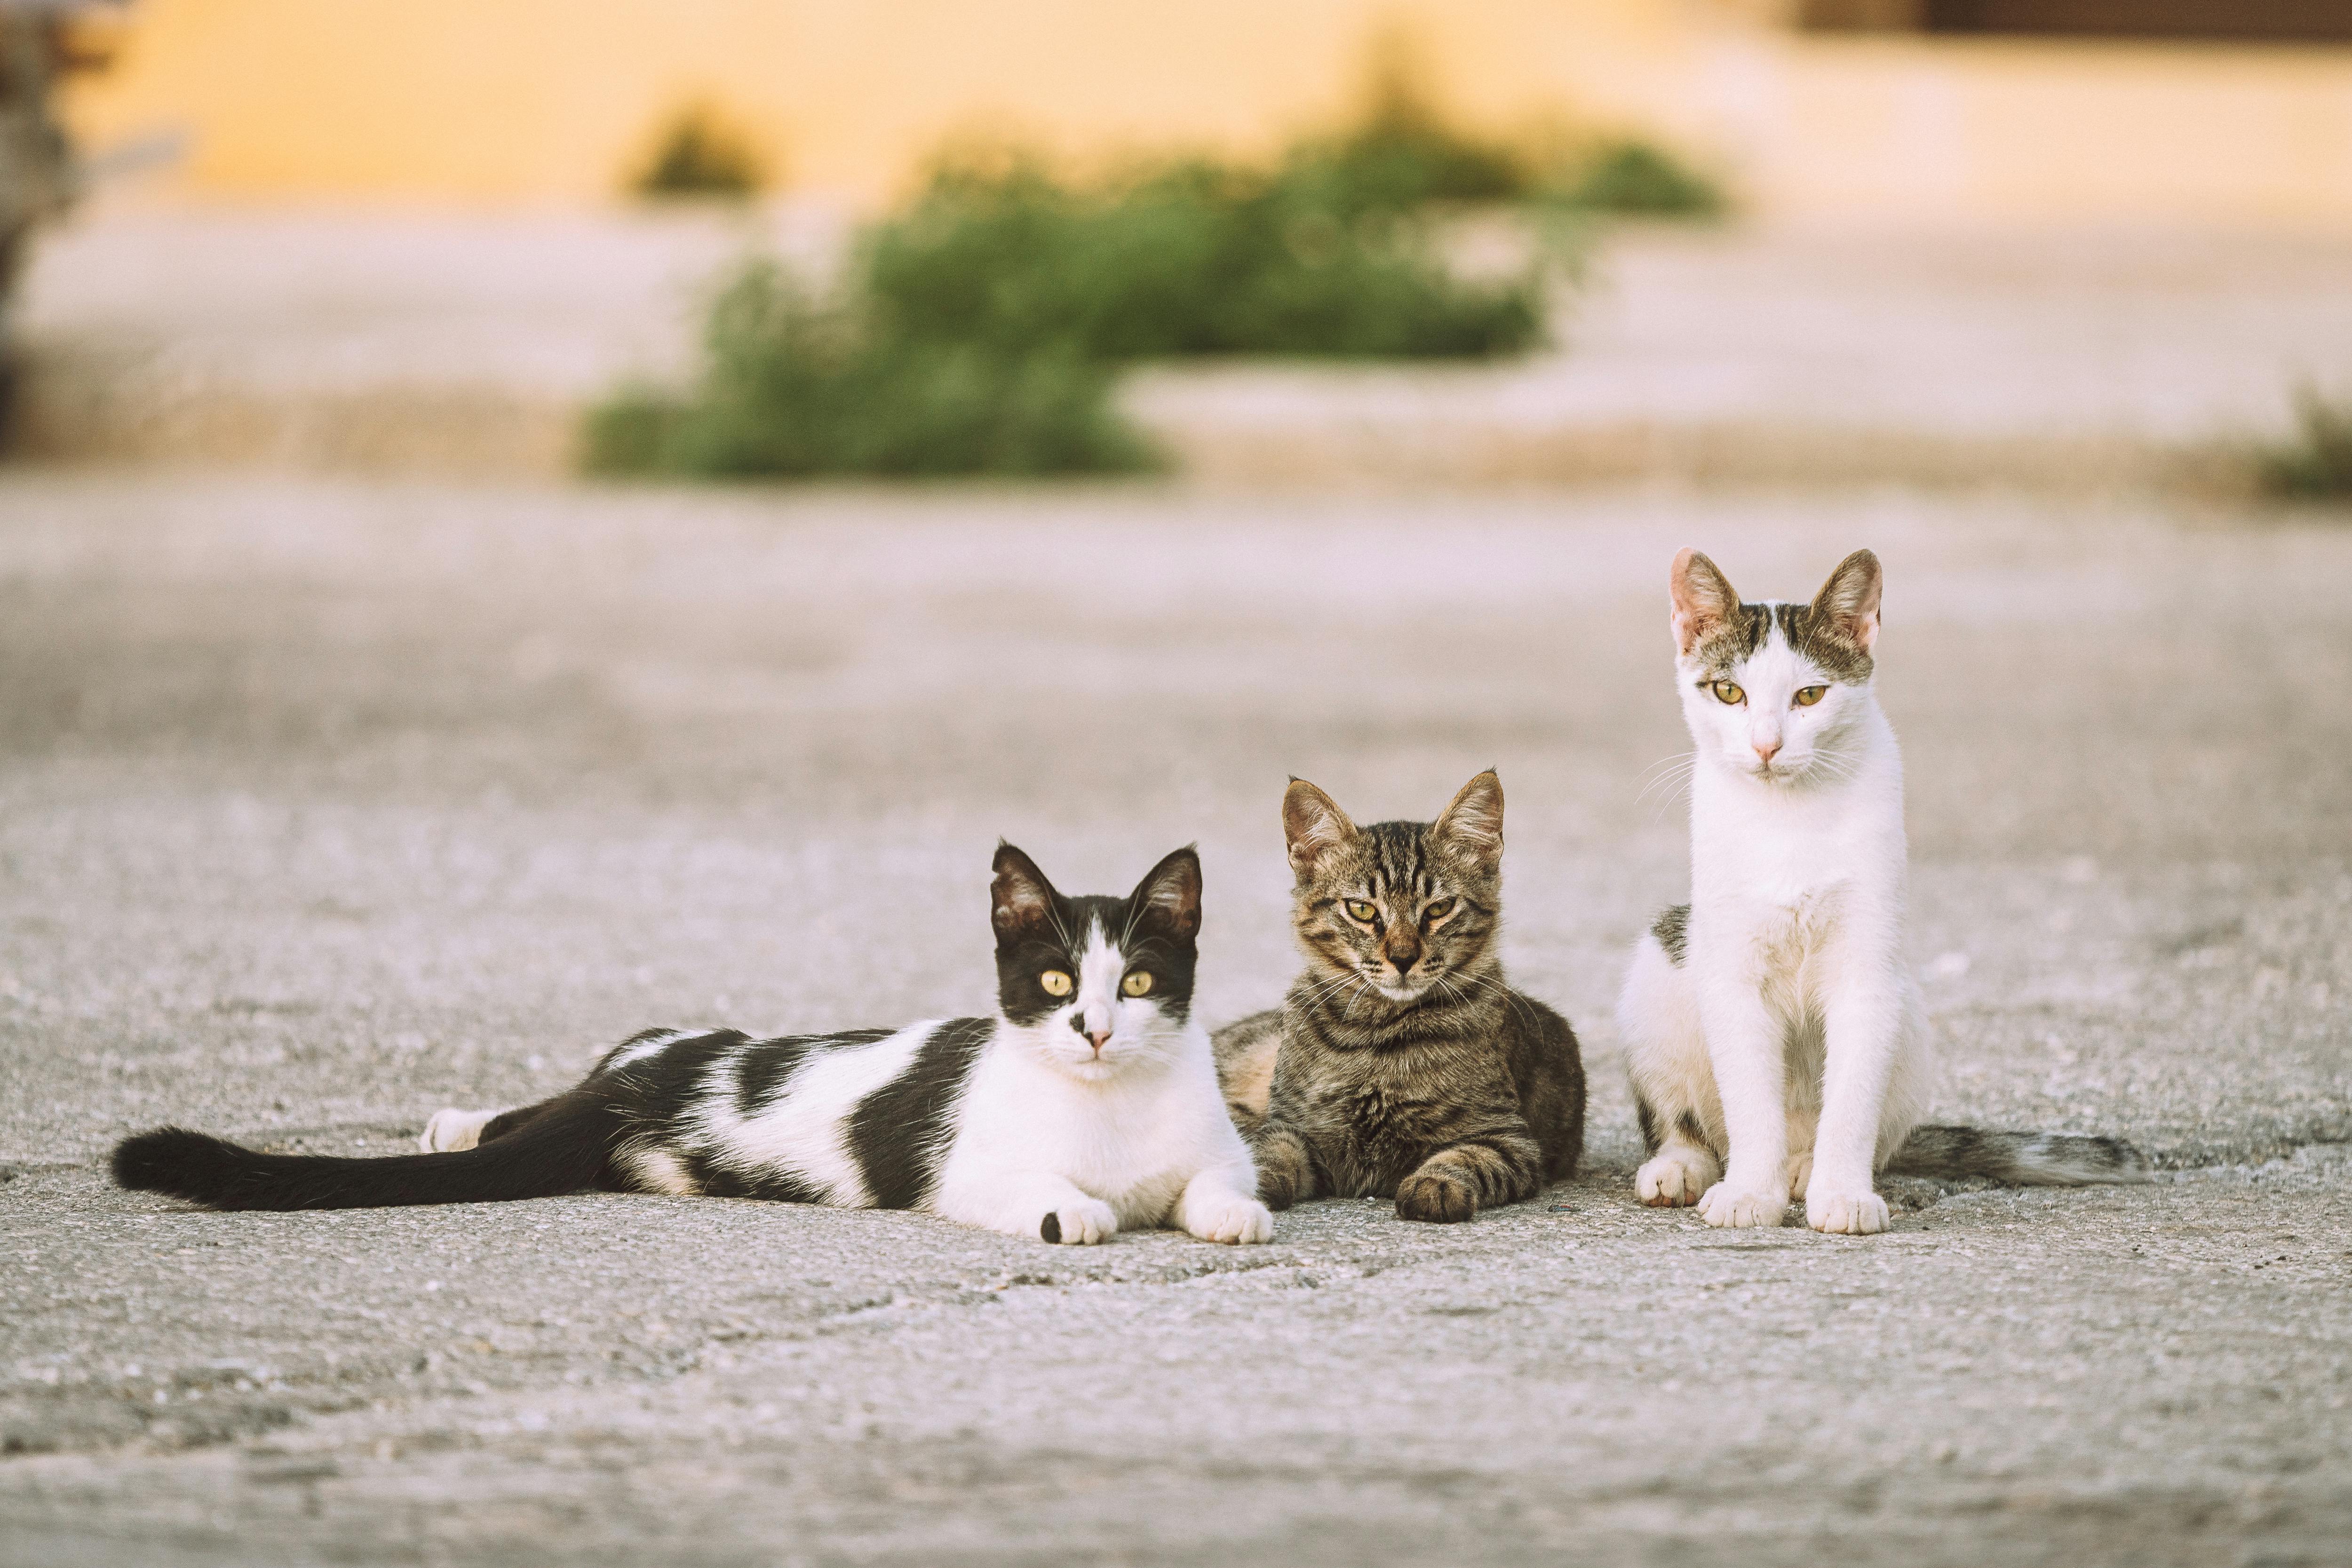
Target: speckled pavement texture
{"x": 323, "y": 806}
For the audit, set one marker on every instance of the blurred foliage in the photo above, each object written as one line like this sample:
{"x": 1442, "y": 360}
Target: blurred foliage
{"x": 1638, "y": 178}
{"x": 1195, "y": 258}
{"x": 793, "y": 386}
{"x": 699, "y": 155}
{"x": 2319, "y": 463}
{"x": 979, "y": 328}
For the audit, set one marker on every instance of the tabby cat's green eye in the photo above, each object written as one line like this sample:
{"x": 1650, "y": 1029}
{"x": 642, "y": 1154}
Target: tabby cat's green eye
{"x": 1809, "y": 695}
{"x": 1438, "y": 911}
{"x": 1055, "y": 983}
{"x": 1725, "y": 691}
{"x": 1359, "y": 909}
{"x": 1139, "y": 983}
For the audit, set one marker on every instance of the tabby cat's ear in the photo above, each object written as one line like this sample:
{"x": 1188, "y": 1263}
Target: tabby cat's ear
{"x": 1313, "y": 825}
{"x": 1704, "y": 599}
{"x": 1170, "y": 894}
{"x": 1474, "y": 822}
{"x": 1847, "y": 607}
{"x": 1021, "y": 901}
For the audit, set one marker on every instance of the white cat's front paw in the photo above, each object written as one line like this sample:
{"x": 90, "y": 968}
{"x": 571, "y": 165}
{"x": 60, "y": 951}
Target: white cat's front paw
{"x": 1845, "y": 1214}
{"x": 1722, "y": 1206}
{"x": 1081, "y": 1224}
{"x": 1672, "y": 1181}
{"x": 451, "y": 1129}
{"x": 1236, "y": 1221}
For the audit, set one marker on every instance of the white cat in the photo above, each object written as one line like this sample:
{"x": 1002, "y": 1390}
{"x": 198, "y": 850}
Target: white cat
{"x": 1776, "y": 1039}
{"x": 1088, "y": 1105}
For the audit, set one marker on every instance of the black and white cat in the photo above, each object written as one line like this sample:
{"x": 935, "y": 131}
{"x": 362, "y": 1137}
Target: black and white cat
{"x": 1088, "y": 1103}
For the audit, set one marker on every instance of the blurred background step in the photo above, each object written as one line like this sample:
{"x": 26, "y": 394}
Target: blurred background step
{"x": 389, "y": 342}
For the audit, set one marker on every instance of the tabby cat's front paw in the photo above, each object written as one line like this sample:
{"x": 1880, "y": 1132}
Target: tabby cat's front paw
{"x": 1081, "y": 1224}
{"x": 1277, "y": 1190}
{"x": 1801, "y": 1176}
{"x": 1845, "y": 1214}
{"x": 1722, "y": 1206}
{"x": 1436, "y": 1197}
{"x": 1236, "y": 1221}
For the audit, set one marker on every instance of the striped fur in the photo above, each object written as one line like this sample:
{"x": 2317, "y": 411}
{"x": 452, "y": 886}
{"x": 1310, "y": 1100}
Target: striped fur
{"x": 1088, "y": 1104}
{"x": 1403, "y": 1064}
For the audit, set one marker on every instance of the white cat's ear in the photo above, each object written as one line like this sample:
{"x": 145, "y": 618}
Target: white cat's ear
{"x": 1474, "y": 822}
{"x": 1019, "y": 898}
{"x": 1313, "y": 825}
{"x": 1704, "y": 598}
{"x": 1169, "y": 893}
{"x": 1847, "y": 605}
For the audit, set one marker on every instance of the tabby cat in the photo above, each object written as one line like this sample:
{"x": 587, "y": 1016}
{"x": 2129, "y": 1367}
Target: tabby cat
{"x": 1088, "y": 1103}
{"x": 1402, "y": 1064}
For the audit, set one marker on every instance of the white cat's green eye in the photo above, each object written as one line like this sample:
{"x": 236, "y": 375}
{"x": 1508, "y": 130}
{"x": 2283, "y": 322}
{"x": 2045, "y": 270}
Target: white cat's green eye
{"x": 1138, "y": 983}
{"x": 1438, "y": 911}
{"x": 1725, "y": 691}
{"x": 1809, "y": 695}
{"x": 1362, "y": 910}
{"x": 1055, "y": 983}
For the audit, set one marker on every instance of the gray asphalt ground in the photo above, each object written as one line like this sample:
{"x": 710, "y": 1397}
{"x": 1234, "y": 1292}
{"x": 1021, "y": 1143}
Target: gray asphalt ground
{"x": 324, "y": 806}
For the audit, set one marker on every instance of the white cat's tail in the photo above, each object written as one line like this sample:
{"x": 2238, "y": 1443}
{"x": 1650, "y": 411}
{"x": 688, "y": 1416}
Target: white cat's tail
{"x": 2017, "y": 1159}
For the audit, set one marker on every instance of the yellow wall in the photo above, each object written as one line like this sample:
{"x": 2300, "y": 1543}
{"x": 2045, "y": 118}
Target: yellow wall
{"x": 547, "y": 101}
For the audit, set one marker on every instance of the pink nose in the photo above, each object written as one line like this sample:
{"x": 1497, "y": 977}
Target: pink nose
{"x": 1766, "y": 750}
{"x": 1100, "y": 1040}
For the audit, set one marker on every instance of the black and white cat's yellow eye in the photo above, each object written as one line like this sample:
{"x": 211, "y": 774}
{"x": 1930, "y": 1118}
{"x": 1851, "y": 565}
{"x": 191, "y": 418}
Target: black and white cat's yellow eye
{"x": 1359, "y": 909}
{"x": 1055, "y": 983}
{"x": 1726, "y": 692}
{"x": 1137, "y": 984}
{"x": 1438, "y": 911}
{"x": 1809, "y": 695}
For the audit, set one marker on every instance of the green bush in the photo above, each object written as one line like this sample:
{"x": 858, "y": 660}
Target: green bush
{"x": 1638, "y": 178}
{"x": 979, "y": 331}
{"x": 699, "y": 156}
{"x": 2319, "y": 463}
{"x": 1402, "y": 153}
{"x": 795, "y": 387}
{"x": 979, "y": 328}
{"x": 1190, "y": 259}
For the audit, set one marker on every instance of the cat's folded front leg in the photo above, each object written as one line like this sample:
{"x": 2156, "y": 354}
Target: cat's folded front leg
{"x": 1457, "y": 1181}
{"x": 1220, "y": 1204}
{"x": 1286, "y": 1171}
{"x": 1036, "y": 1203}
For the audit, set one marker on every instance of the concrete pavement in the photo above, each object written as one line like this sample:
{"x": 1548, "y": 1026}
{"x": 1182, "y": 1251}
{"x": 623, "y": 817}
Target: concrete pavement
{"x": 323, "y": 805}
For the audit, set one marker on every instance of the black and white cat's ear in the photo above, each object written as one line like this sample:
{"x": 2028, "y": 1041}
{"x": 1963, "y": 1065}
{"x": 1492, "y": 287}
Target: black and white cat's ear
{"x": 1847, "y": 605}
{"x": 1170, "y": 894}
{"x": 1019, "y": 899}
{"x": 1704, "y": 598}
{"x": 1312, "y": 824}
{"x": 1474, "y": 822}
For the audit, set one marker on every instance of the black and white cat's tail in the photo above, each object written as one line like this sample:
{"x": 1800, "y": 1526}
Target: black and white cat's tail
{"x": 562, "y": 1147}
{"x": 2017, "y": 1159}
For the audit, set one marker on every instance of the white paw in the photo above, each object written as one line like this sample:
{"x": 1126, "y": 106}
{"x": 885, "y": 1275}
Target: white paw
{"x": 1800, "y": 1172}
{"x": 451, "y": 1129}
{"x": 1236, "y": 1221}
{"x": 1674, "y": 1180}
{"x": 1723, "y": 1207}
{"x": 1081, "y": 1224}
{"x": 1846, "y": 1213}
